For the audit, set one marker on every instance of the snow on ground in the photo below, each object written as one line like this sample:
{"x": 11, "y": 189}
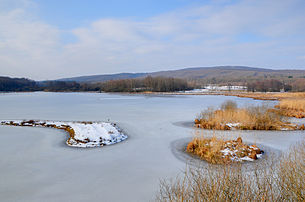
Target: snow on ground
{"x": 234, "y": 156}
{"x": 213, "y": 87}
{"x": 233, "y": 125}
{"x": 232, "y": 151}
{"x": 96, "y": 133}
{"x": 85, "y": 134}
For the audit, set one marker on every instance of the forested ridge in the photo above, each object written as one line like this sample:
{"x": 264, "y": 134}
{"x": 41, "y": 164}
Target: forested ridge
{"x": 149, "y": 83}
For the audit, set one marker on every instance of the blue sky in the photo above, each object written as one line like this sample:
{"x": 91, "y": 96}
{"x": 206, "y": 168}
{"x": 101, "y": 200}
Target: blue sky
{"x": 48, "y": 39}
{"x": 70, "y": 13}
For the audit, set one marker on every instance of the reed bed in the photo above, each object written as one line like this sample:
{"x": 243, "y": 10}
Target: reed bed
{"x": 249, "y": 118}
{"x": 269, "y": 95}
{"x": 290, "y": 104}
{"x": 278, "y": 180}
{"x": 292, "y": 107}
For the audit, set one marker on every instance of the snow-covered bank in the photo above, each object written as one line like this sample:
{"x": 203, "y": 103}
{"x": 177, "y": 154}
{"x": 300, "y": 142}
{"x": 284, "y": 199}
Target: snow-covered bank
{"x": 82, "y": 134}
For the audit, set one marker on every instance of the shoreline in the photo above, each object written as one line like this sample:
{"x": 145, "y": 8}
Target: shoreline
{"x": 254, "y": 95}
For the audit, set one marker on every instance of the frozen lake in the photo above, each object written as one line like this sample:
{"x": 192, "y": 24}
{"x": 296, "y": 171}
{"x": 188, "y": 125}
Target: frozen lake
{"x": 36, "y": 165}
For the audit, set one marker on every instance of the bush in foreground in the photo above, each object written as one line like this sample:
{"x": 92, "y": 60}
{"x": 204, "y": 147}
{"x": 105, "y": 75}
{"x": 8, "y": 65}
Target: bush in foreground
{"x": 283, "y": 181}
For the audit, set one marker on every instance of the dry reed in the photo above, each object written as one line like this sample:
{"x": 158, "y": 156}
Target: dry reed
{"x": 250, "y": 118}
{"x": 269, "y": 96}
{"x": 268, "y": 181}
{"x": 292, "y": 107}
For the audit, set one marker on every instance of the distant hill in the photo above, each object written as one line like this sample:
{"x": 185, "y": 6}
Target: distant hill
{"x": 218, "y": 74}
{"x": 258, "y": 79}
{"x": 104, "y": 77}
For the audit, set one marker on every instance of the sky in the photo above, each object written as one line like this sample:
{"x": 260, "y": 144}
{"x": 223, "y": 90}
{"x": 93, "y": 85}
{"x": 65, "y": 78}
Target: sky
{"x": 51, "y": 39}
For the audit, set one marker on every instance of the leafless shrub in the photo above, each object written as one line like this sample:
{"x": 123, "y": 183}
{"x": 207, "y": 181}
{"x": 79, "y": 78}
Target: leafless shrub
{"x": 267, "y": 181}
{"x": 229, "y": 105}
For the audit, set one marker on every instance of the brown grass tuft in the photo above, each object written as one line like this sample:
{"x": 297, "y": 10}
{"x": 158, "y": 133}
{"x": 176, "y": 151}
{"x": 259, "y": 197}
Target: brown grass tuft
{"x": 211, "y": 150}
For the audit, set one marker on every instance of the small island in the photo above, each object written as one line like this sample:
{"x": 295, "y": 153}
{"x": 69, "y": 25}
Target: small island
{"x": 218, "y": 151}
{"x": 81, "y": 134}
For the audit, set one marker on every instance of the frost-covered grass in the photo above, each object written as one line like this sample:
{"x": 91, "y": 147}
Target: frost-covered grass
{"x": 218, "y": 151}
{"x": 82, "y": 134}
{"x": 278, "y": 180}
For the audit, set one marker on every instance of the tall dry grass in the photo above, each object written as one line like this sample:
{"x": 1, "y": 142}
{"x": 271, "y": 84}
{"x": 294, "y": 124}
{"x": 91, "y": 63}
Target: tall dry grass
{"x": 291, "y": 104}
{"x": 290, "y": 177}
{"x": 249, "y": 118}
{"x": 292, "y": 107}
{"x": 208, "y": 149}
{"x": 269, "y": 96}
{"x": 290, "y": 95}
{"x": 269, "y": 181}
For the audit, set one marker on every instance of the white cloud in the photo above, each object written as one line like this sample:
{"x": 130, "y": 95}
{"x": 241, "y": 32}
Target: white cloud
{"x": 202, "y": 36}
{"x": 26, "y": 44}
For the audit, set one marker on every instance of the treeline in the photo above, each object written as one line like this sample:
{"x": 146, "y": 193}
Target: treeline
{"x": 154, "y": 84}
{"x": 8, "y": 84}
{"x": 63, "y": 86}
{"x": 298, "y": 85}
{"x": 274, "y": 85}
{"x": 239, "y": 77}
{"x": 17, "y": 84}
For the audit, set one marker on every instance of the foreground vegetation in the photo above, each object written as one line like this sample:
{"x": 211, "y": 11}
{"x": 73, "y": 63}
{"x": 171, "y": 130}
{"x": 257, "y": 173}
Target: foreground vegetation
{"x": 219, "y": 151}
{"x": 249, "y": 118}
{"x": 279, "y": 180}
